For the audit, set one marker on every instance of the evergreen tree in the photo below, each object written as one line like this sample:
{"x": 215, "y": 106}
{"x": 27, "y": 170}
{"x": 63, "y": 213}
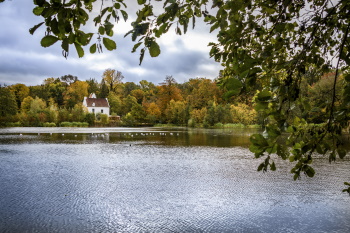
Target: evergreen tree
{"x": 8, "y": 104}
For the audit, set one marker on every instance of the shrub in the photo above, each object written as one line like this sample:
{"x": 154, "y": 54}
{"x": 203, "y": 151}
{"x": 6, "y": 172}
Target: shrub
{"x": 191, "y": 123}
{"x": 219, "y": 125}
{"x": 90, "y": 119}
{"x": 49, "y": 124}
{"x": 66, "y": 124}
{"x": 14, "y": 124}
{"x": 74, "y": 124}
{"x": 104, "y": 119}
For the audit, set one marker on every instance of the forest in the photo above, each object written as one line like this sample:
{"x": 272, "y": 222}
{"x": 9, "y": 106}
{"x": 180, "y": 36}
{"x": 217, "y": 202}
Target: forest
{"x": 198, "y": 102}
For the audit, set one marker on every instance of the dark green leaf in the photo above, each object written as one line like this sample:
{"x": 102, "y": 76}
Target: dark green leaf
{"x": 33, "y": 29}
{"x": 65, "y": 45}
{"x": 101, "y": 30}
{"x": 49, "y": 40}
{"x": 264, "y": 95}
{"x": 125, "y": 15}
{"x": 142, "y": 54}
{"x": 154, "y": 49}
{"x": 258, "y": 139}
{"x": 233, "y": 85}
{"x": 273, "y": 166}
{"x": 341, "y": 153}
{"x": 296, "y": 176}
{"x": 93, "y": 48}
{"x": 261, "y": 166}
{"x": 38, "y": 10}
{"x": 347, "y": 78}
{"x": 109, "y": 44}
{"x": 135, "y": 47}
{"x": 79, "y": 49}
{"x": 310, "y": 172}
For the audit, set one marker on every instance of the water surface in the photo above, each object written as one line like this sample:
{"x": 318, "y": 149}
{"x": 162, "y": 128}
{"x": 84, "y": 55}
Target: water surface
{"x": 156, "y": 180}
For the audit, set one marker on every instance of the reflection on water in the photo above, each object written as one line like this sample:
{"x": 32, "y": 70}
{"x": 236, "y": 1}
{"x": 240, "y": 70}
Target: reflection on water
{"x": 149, "y": 180}
{"x": 180, "y": 136}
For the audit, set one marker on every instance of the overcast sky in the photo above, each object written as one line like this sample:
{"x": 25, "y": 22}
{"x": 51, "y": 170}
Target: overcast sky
{"x": 23, "y": 60}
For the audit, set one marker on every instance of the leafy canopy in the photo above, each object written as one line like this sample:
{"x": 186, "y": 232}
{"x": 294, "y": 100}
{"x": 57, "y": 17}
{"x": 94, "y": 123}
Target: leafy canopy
{"x": 269, "y": 44}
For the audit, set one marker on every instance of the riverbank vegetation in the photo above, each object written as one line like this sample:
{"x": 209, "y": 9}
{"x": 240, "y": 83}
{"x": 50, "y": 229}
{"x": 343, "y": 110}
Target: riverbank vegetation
{"x": 199, "y": 102}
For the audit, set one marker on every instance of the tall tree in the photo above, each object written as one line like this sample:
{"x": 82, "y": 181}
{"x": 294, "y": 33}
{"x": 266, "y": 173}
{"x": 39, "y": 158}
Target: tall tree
{"x": 21, "y": 91}
{"x": 168, "y": 91}
{"x": 112, "y": 78}
{"x": 93, "y": 86}
{"x": 75, "y": 93}
{"x": 69, "y": 79}
{"x": 8, "y": 104}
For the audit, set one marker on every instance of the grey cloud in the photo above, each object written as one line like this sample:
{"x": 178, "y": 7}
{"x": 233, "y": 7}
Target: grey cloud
{"x": 23, "y": 60}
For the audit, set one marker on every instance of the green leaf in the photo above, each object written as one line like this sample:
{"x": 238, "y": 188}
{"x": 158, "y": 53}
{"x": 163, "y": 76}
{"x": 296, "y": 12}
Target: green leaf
{"x": 101, "y": 30}
{"x": 296, "y": 176}
{"x": 273, "y": 166}
{"x": 136, "y": 46}
{"x": 47, "y": 41}
{"x": 38, "y": 10}
{"x": 257, "y": 150}
{"x": 140, "y": 2}
{"x": 154, "y": 49}
{"x": 142, "y": 54}
{"x": 33, "y": 29}
{"x": 310, "y": 172}
{"x": 65, "y": 45}
{"x": 234, "y": 86}
{"x": 341, "y": 153}
{"x": 79, "y": 49}
{"x": 261, "y": 166}
{"x": 258, "y": 139}
{"x": 282, "y": 151}
{"x": 109, "y": 44}
{"x": 161, "y": 30}
{"x": 125, "y": 15}
{"x": 347, "y": 78}
{"x": 264, "y": 95}
{"x": 93, "y": 48}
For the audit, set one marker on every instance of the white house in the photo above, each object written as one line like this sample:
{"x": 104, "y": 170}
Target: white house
{"x": 96, "y": 105}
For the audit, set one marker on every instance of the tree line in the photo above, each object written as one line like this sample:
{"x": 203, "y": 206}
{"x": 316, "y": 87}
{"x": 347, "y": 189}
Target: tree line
{"x": 198, "y": 102}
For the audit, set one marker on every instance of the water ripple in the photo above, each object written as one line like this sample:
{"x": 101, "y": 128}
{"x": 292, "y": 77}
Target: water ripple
{"x": 150, "y": 187}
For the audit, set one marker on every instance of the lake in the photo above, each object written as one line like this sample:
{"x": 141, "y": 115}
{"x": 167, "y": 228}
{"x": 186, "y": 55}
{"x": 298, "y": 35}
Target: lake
{"x": 158, "y": 180}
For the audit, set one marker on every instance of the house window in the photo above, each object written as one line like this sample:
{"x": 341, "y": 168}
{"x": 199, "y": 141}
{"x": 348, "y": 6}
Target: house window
{"x": 101, "y": 110}
{"x": 93, "y": 110}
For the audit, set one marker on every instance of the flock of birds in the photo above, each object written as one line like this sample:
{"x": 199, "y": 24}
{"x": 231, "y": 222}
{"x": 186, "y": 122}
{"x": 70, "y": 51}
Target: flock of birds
{"x": 95, "y": 135}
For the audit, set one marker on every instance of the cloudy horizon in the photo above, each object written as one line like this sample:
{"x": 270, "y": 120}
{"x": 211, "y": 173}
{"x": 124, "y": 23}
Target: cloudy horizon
{"x": 25, "y": 61}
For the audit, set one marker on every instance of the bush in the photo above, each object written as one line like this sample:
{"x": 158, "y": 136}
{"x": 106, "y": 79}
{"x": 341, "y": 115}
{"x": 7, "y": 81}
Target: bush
{"x": 74, "y": 124}
{"x": 206, "y": 124}
{"x": 66, "y": 124}
{"x": 219, "y": 125}
{"x": 49, "y": 124}
{"x": 235, "y": 126}
{"x": 84, "y": 124}
{"x": 191, "y": 123}
{"x": 104, "y": 119}
{"x": 128, "y": 120}
{"x": 90, "y": 119}
{"x": 14, "y": 124}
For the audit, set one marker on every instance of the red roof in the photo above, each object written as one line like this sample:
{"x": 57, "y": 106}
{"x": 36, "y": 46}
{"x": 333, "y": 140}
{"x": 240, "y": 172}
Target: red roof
{"x": 96, "y": 102}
